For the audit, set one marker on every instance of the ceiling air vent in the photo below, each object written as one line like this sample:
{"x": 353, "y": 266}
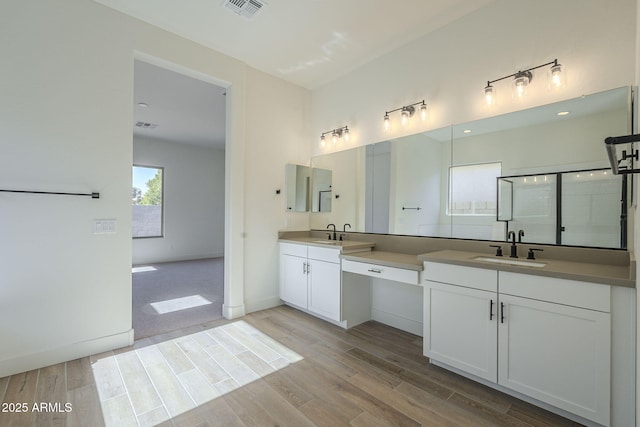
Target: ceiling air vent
{"x": 245, "y": 8}
{"x": 146, "y": 125}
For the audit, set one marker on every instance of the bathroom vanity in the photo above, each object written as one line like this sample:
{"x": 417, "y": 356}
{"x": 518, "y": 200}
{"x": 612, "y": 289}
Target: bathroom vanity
{"x": 310, "y": 275}
{"x": 559, "y": 333}
{"x": 529, "y": 331}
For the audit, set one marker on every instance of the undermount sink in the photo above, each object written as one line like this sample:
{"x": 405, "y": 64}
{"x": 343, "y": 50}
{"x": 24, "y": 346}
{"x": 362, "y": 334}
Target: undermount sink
{"x": 327, "y": 242}
{"x": 510, "y": 261}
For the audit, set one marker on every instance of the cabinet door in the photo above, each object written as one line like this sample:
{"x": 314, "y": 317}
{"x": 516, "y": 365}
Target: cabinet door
{"x": 460, "y": 328}
{"x": 557, "y": 354}
{"x": 324, "y": 289}
{"x": 293, "y": 280}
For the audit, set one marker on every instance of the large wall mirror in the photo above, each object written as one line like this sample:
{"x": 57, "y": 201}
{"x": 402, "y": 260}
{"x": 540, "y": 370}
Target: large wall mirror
{"x": 543, "y": 170}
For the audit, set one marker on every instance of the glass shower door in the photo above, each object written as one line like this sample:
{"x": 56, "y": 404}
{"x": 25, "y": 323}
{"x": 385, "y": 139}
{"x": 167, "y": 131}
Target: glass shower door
{"x": 591, "y": 209}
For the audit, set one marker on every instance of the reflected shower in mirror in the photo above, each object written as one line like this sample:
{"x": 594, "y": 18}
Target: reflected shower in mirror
{"x": 322, "y": 190}
{"x": 578, "y": 208}
{"x": 297, "y": 185}
{"x": 307, "y": 189}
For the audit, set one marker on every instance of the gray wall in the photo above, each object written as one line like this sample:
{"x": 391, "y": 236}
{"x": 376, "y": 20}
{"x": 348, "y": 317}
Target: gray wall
{"x": 193, "y": 210}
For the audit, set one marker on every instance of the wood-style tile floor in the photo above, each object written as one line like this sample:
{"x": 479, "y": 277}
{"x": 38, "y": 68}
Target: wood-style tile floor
{"x": 274, "y": 367}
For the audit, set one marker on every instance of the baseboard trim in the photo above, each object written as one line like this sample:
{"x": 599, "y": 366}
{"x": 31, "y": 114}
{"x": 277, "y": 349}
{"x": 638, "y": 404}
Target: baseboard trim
{"x": 28, "y": 362}
{"x": 399, "y": 322}
{"x": 233, "y": 312}
{"x": 175, "y": 258}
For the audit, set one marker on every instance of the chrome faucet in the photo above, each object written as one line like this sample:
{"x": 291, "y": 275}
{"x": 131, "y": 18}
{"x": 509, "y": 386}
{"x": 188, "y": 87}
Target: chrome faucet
{"x": 514, "y": 248}
{"x": 333, "y": 237}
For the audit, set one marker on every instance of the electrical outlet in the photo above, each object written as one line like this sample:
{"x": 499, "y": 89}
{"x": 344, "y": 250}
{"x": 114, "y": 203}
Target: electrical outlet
{"x": 104, "y": 226}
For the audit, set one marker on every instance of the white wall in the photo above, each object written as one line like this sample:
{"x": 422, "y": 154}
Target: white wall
{"x": 417, "y": 181}
{"x": 66, "y": 124}
{"x": 277, "y": 129}
{"x": 449, "y": 68}
{"x": 193, "y": 210}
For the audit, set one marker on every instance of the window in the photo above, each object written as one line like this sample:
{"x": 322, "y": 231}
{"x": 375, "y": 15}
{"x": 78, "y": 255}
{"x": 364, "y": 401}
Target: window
{"x": 146, "y": 198}
{"x": 472, "y": 189}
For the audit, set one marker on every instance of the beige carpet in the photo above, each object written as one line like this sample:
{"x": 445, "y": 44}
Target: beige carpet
{"x": 175, "y": 295}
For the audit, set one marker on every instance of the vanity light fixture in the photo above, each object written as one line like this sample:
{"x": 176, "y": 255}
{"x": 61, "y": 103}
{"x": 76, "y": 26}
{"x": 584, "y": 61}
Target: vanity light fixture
{"x": 406, "y": 113}
{"x": 336, "y": 134}
{"x": 522, "y": 78}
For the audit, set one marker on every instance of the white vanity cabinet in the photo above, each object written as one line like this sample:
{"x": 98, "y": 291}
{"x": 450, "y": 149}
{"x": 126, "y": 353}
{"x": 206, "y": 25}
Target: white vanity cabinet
{"x": 293, "y": 274}
{"x": 310, "y": 278}
{"x": 548, "y": 339}
{"x": 554, "y": 342}
{"x": 460, "y": 309}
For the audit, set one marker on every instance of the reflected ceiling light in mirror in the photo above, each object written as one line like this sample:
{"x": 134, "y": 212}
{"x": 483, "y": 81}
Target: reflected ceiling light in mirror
{"x": 336, "y": 135}
{"x": 522, "y": 79}
{"x": 406, "y": 112}
{"x": 563, "y": 113}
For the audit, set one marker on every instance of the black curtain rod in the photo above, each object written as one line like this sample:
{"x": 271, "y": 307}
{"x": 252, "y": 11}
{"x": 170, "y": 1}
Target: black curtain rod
{"x": 92, "y": 195}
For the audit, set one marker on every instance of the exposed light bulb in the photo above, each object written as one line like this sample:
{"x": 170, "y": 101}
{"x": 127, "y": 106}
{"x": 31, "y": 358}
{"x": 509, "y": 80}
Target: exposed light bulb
{"x": 405, "y": 117}
{"x": 489, "y": 95}
{"x": 423, "y": 111}
{"x": 557, "y": 76}
{"x": 346, "y": 134}
{"x": 322, "y": 141}
{"x": 387, "y": 124}
{"x": 334, "y": 137}
{"x": 520, "y": 86}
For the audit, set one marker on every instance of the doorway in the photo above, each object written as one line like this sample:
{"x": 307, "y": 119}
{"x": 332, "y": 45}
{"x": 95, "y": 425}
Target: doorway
{"x": 178, "y": 133}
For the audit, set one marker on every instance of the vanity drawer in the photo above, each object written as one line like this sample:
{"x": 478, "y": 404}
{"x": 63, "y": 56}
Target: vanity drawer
{"x": 470, "y": 277}
{"x": 293, "y": 249}
{"x": 324, "y": 254}
{"x": 382, "y": 271}
{"x": 592, "y": 296}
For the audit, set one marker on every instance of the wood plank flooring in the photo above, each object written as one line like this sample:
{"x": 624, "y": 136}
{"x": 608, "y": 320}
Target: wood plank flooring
{"x": 275, "y": 367}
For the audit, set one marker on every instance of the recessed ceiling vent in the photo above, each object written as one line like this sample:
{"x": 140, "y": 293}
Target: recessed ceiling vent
{"x": 245, "y": 8}
{"x": 146, "y": 125}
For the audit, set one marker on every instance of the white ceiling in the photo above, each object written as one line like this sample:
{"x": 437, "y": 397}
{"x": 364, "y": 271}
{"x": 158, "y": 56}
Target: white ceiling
{"x": 305, "y": 42}
{"x": 184, "y": 109}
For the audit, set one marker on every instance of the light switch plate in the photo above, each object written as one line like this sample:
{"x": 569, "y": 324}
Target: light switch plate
{"x": 104, "y": 226}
